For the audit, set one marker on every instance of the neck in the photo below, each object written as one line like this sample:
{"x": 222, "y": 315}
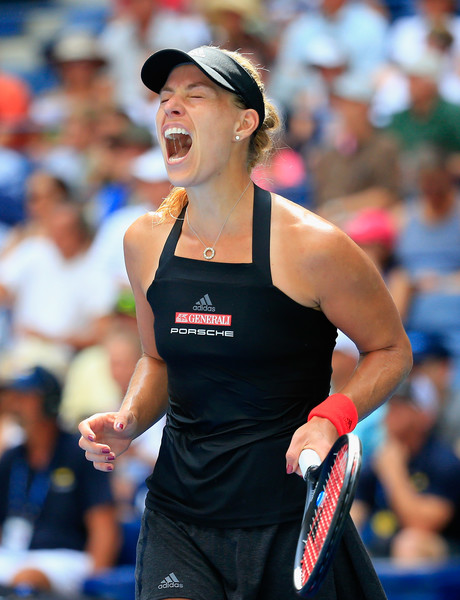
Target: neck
{"x": 223, "y": 216}
{"x": 41, "y": 439}
{"x": 210, "y": 203}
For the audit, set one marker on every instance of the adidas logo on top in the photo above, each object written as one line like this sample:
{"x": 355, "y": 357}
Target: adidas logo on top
{"x": 204, "y": 304}
{"x": 170, "y": 581}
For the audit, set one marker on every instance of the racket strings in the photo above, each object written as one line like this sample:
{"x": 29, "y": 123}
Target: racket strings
{"x": 326, "y": 504}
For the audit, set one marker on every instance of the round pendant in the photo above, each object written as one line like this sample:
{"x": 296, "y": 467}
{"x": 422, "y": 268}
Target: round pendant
{"x": 209, "y": 253}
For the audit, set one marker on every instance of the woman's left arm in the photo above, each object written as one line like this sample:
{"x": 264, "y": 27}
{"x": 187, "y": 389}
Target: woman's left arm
{"x": 350, "y": 291}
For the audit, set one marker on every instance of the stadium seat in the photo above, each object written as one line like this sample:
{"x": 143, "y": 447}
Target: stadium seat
{"x": 434, "y": 581}
{"x": 118, "y": 583}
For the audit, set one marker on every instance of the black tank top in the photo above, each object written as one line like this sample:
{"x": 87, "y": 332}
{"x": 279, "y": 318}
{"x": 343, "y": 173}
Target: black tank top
{"x": 245, "y": 364}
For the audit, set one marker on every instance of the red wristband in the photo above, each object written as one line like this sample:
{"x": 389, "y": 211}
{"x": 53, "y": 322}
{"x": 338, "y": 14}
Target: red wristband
{"x": 339, "y": 410}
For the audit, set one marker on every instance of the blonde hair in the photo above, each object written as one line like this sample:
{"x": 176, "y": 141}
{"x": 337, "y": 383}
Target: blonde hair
{"x": 261, "y": 143}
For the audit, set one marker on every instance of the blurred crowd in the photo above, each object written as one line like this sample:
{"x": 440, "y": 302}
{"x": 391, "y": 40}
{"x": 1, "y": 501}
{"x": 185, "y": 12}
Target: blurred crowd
{"x": 369, "y": 92}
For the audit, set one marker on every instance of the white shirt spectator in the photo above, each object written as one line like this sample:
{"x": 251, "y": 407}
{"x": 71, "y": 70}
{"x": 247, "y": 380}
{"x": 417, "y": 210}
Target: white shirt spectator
{"x": 408, "y": 41}
{"x": 126, "y": 51}
{"x": 358, "y": 28}
{"x": 53, "y": 296}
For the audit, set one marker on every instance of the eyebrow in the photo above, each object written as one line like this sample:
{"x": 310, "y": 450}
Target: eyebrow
{"x": 190, "y": 86}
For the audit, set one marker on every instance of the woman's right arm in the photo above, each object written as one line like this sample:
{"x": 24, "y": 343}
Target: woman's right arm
{"x": 105, "y": 436}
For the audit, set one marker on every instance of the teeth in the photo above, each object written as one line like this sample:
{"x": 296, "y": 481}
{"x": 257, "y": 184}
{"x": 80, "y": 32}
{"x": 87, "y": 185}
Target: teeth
{"x": 172, "y": 131}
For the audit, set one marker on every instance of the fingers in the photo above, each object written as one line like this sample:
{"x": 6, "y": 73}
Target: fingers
{"x": 123, "y": 420}
{"x": 318, "y": 434}
{"x": 86, "y": 431}
{"x": 99, "y": 454}
{"x": 292, "y": 455}
{"x": 104, "y": 462}
{"x": 103, "y": 467}
{"x": 300, "y": 440}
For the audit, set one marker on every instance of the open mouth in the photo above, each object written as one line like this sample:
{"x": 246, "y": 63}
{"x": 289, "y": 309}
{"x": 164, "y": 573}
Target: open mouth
{"x": 178, "y": 143}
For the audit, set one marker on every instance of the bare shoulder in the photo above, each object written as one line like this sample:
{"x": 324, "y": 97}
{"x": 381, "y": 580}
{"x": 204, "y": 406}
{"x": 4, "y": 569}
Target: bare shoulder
{"x": 318, "y": 265}
{"x": 312, "y": 258}
{"x": 149, "y": 229}
{"x": 143, "y": 242}
{"x": 311, "y": 237}
{"x": 142, "y": 227}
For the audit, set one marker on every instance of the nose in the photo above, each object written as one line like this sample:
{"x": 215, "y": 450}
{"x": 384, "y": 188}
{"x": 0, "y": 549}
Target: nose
{"x": 173, "y": 106}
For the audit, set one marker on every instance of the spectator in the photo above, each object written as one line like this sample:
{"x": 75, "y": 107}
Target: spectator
{"x": 327, "y": 60}
{"x": 429, "y": 252}
{"x": 428, "y": 295}
{"x": 110, "y": 175}
{"x": 429, "y": 119}
{"x": 98, "y": 376}
{"x": 410, "y": 512}
{"x": 68, "y": 153}
{"x": 409, "y": 36}
{"x": 138, "y": 28}
{"x": 357, "y": 26}
{"x": 57, "y": 515}
{"x": 78, "y": 60}
{"x": 149, "y": 186}
{"x": 360, "y": 166}
{"x": 435, "y": 363}
{"x": 97, "y": 380}
{"x": 375, "y": 231}
{"x": 285, "y": 174}
{"x": 241, "y": 24}
{"x": 56, "y": 294}
{"x": 44, "y": 193}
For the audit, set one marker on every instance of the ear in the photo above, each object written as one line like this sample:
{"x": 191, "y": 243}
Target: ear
{"x": 247, "y": 123}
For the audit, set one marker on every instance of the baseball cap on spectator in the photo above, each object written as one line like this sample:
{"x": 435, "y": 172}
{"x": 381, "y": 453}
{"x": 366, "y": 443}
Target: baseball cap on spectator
{"x": 354, "y": 87}
{"x": 420, "y": 392}
{"x": 150, "y": 166}
{"x": 372, "y": 226}
{"x": 427, "y": 66}
{"x": 327, "y": 52}
{"x": 36, "y": 378}
{"x": 78, "y": 46}
{"x": 40, "y": 380}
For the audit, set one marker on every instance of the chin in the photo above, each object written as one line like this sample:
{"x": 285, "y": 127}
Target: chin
{"x": 180, "y": 181}
{"x": 185, "y": 177}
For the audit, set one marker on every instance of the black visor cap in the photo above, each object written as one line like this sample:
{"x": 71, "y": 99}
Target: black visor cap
{"x": 215, "y": 64}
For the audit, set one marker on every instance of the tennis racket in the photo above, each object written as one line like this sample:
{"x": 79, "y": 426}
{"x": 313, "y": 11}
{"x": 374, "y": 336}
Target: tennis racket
{"x": 330, "y": 490}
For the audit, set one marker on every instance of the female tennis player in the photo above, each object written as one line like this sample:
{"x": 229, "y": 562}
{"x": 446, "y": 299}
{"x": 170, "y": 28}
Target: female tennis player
{"x": 239, "y": 294}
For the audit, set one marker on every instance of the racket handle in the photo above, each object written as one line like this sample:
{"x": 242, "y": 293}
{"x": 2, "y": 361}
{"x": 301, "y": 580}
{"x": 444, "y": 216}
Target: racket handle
{"x": 308, "y": 458}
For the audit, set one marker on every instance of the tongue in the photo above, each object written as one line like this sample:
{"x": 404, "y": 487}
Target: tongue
{"x": 181, "y": 145}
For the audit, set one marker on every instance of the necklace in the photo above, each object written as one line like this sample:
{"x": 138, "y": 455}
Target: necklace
{"x": 209, "y": 251}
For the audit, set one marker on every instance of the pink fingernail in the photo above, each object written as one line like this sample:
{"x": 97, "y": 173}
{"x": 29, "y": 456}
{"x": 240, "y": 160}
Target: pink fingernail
{"x": 289, "y": 469}
{"x": 109, "y": 467}
{"x": 105, "y": 451}
{"x": 91, "y": 438}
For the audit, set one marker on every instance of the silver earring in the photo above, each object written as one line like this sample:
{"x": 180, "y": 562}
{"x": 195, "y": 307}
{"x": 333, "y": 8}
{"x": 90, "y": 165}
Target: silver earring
{"x": 237, "y": 138}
